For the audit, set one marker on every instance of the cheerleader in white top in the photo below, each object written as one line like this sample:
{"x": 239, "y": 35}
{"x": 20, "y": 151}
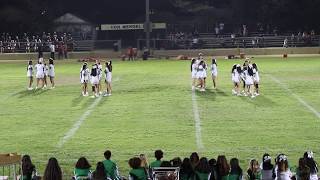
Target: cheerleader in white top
{"x": 108, "y": 73}
{"x": 193, "y": 68}
{"x": 282, "y": 170}
{"x": 312, "y": 164}
{"x": 46, "y": 73}
{"x": 100, "y": 73}
{"x": 201, "y": 75}
{"x": 214, "y": 72}
{"x": 94, "y": 76}
{"x": 51, "y": 73}
{"x": 248, "y": 74}
{"x": 236, "y": 79}
{"x": 256, "y": 79}
{"x": 39, "y": 73}
{"x": 30, "y": 74}
{"x": 84, "y": 79}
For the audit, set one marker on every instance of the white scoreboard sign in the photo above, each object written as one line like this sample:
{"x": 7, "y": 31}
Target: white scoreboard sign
{"x": 114, "y": 27}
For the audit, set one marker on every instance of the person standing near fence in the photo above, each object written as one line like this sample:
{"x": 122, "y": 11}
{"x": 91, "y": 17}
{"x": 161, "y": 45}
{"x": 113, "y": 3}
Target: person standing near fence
{"x": 52, "y": 50}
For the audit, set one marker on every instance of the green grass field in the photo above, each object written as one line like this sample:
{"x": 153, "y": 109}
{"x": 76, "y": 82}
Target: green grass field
{"x": 151, "y": 108}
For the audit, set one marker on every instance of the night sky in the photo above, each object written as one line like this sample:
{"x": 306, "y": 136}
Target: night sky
{"x": 34, "y": 15}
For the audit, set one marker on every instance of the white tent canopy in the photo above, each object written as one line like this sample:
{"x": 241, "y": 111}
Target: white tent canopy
{"x": 69, "y": 18}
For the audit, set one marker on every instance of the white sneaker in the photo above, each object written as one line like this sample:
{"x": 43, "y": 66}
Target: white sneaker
{"x": 238, "y": 94}
{"x": 257, "y": 94}
{"x": 100, "y": 93}
{"x": 93, "y": 96}
{"x": 109, "y": 94}
{"x": 45, "y": 86}
{"x": 202, "y": 90}
{"x": 86, "y": 94}
{"x": 105, "y": 95}
{"x": 234, "y": 92}
{"x": 52, "y": 87}
{"x": 36, "y": 87}
{"x": 30, "y": 88}
{"x": 252, "y": 96}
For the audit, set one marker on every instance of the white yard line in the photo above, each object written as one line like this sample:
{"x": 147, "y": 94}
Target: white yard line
{"x": 197, "y": 121}
{"x": 79, "y": 122}
{"x": 303, "y": 102}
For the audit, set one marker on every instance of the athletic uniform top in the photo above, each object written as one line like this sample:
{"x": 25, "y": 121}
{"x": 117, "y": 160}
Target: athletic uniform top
{"x": 52, "y": 48}
{"x": 99, "y": 70}
{"x": 51, "y": 70}
{"x": 39, "y": 68}
{"x": 256, "y": 76}
{"x": 214, "y": 69}
{"x": 194, "y": 67}
{"x": 29, "y": 70}
{"x": 84, "y": 74}
{"x": 46, "y": 70}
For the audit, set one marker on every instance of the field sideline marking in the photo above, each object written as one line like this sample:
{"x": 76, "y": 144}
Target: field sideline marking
{"x": 77, "y": 125}
{"x": 303, "y": 102}
{"x": 84, "y": 116}
{"x": 197, "y": 121}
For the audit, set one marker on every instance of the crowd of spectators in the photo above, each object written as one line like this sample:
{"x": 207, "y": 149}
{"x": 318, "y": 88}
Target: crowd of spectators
{"x": 30, "y": 43}
{"x": 188, "y": 168}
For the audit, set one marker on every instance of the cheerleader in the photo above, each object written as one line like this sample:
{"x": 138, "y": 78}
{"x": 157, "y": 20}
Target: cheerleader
{"x": 84, "y": 78}
{"x": 236, "y": 78}
{"x": 46, "y": 73}
{"x": 312, "y": 164}
{"x": 256, "y": 79}
{"x": 40, "y": 73}
{"x": 214, "y": 72}
{"x": 201, "y": 75}
{"x": 205, "y": 66}
{"x": 193, "y": 69}
{"x": 51, "y": 73}
{"x": 94, "y": 81}
{"x": 108, "y": 73}
{"x": 249, "y": 81}
{"x": 99, "y": 71}
{"x": 30, "y": 74}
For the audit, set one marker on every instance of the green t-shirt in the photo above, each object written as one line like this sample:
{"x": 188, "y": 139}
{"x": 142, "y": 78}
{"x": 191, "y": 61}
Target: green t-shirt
{"x": 111, "y": 169}
{"x": 202, "y": 176}
{"x": 139, "y": 173}
{"x": 81, "y": 172}
{"x": 156, "y": 163}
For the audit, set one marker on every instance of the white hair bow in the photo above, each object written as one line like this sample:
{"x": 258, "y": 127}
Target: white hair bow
{"x": 310, "y": 154}
{"x": 282, "y": 157}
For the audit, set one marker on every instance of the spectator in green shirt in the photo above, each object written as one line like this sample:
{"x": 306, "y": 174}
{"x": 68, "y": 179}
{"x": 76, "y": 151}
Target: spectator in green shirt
{"x": 158, "y": 154}
{"x": 137, "y": 172}
{"x": 82, "y": 168}
{"x": 236, "y": 171}
{"x": 202, "y": 170}
{"x": 110, "y": 166}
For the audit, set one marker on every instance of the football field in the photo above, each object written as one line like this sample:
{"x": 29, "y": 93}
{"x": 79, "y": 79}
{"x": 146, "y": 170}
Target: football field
{"x": 152, "y": 107}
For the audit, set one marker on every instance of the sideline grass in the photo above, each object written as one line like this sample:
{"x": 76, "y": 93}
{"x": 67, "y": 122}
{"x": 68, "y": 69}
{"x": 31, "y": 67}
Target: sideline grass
{"x": 151, "y": 108}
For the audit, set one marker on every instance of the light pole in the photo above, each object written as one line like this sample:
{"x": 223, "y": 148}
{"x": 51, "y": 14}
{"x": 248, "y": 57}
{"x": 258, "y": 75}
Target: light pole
{"x": 147, "y": 25}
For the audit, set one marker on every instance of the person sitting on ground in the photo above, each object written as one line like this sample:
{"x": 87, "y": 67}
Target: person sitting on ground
{"x": 236, "y": 171}
{"x": 213, "y": 168}
{"x": 145, "y": 164}
{"x": 223, "y": 168}
{"x": 283, "y": 172}
{"x": 194, "y": 159}
{"x": 53, "y": 170}
{"x": 186, "y": 171}
{"x": 82, "y": 168}
{"x": 266, "y": 167}
{"x": 158, "y": 154}
{"x": 100, "y": 172}
{"x": 110, "y": 166}
{"x": 254, "y": 171}
{"x": 202, "y": 170}
{"x": 303, "y": 171}
{"x": 312, "y": 164}
{"x": 28, "y": 169}
{"x": 137, "y": 172}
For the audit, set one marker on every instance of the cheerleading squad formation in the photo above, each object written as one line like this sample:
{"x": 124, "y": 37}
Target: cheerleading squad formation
{"x": 42, "y": 71}
{"x": 95, "y": 77}
{"x": 247, "y": 74}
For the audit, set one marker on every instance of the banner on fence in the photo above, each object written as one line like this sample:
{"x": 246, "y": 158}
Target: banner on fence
{"x": 115, "y": 27}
